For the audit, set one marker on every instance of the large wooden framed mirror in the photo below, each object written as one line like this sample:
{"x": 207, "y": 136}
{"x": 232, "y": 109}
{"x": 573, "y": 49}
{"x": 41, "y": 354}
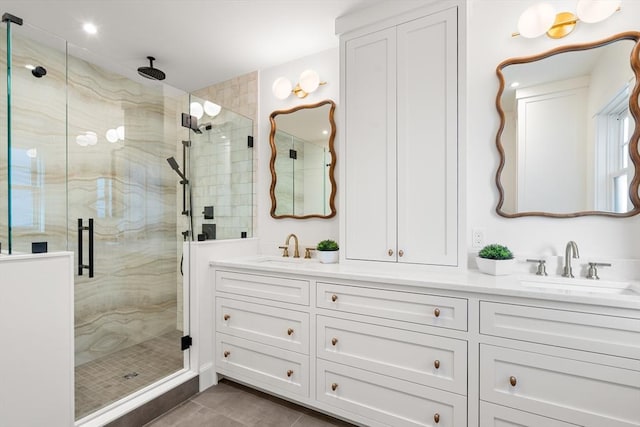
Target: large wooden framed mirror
{"x": 569, "y": 130}
{"x": 303, "y": 161}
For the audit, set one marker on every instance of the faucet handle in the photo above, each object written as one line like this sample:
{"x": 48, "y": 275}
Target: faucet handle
{"x": 285, "y": 250}
{"x": 592, "y": 272}
{"x": 542, "y": 269}
{"x": 307, "y": 252}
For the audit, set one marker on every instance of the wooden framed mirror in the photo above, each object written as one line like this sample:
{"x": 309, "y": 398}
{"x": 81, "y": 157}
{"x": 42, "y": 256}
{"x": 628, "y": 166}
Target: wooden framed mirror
{"x": 303, "y": 160}
{"x": 569, "y": 130}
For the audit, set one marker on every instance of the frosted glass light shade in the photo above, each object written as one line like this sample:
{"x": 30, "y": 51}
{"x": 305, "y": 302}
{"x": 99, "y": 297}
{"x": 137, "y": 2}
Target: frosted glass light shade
{"x": 120, "y": 132}
{"x": 196, "y": 109}
{"x": 112, "y": 135}
{"x": 591, "y": 11}
{"x": 536, "y": 20}
{"x": 91, "y": 137}
{"x": 281, "y": 87}
{"x": 212, "y": 109}
{"x": 309, "y": 81}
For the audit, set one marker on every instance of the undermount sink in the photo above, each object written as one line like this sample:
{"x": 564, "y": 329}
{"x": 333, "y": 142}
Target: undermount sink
{"x": 286, "y": 261}
{"x": 566, "y": 285}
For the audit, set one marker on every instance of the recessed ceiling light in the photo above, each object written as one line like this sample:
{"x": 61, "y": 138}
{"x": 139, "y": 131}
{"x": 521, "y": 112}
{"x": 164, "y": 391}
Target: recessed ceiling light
{"x": 90, "y": 28}
{"x": 515, "y": 84}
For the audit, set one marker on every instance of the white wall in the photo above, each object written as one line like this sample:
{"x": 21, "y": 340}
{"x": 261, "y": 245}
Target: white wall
{"x": 491, "y": 23}
{"x": 272, "y": 232}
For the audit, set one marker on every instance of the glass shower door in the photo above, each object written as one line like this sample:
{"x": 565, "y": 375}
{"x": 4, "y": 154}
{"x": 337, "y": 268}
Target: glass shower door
{"x": 123, "y": 224}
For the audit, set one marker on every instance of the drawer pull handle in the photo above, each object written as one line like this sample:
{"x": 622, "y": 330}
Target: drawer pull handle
{"x": 334, "y": 297}
{"x": 334, "y": 341}
{"x": 227, "y": 317}
{"x": 390, "y": 252}
{"x": 513, "y": 381}
{"x": 334, "y": 386}
{"x": 436, "y": 417}
{"x": 226, "y": 353}
{"x": 436, "y": 312}
{"x": 289, "y": 331}
{"x": 436, "y": 363}
{"x": 401, "y": 253}
{"x": 289, "y": 373}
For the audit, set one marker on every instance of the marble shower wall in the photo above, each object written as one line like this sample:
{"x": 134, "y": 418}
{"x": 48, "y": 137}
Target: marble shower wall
{"x": 60, "y": 123}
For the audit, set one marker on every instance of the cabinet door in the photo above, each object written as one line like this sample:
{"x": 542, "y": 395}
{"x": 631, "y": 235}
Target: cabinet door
{"x": 428, "y": 140}
{"x": 370, "y": 135}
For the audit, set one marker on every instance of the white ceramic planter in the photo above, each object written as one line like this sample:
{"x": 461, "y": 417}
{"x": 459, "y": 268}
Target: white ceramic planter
{"x": 495, "y": 267}
{"x": 328, "y": 257}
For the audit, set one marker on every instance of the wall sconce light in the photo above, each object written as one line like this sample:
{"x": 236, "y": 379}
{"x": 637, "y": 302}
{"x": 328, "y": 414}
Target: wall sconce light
{"x": 542, "y": 18}
{"x": 198, "y": 110}
{"x": 308, "y": 83}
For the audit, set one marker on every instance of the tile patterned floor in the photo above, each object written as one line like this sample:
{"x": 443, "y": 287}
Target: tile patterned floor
{"x": 232, "y": 405}
{"x": 102, "y": 381}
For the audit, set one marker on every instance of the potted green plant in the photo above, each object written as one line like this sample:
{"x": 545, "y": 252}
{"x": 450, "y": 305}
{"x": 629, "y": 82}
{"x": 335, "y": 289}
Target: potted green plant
{"x": 328, "y": 251}
{"x": 496, "y": 260}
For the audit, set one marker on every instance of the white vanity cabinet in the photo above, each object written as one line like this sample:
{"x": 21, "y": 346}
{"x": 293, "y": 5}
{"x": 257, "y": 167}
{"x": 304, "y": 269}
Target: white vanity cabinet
{"x": 401, "y": 140}
{"x": 576, "y": 367}
{"x": 262, "y": 331}
{"x": 373, "y": 364}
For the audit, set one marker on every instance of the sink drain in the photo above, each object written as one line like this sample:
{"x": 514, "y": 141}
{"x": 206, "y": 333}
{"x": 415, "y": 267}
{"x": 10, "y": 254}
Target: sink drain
{"x": 130, "y": 375}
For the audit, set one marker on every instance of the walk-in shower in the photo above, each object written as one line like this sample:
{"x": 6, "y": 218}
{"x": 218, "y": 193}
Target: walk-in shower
{"x": 88, "y": 143}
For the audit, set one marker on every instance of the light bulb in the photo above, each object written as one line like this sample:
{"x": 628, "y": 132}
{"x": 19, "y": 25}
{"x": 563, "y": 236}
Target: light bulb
{"x": 309, "y": 81}
{"x": 90, "y": 28}
{"x": 536, "y": 20}
{"x": 591, "y": 11}
{"x": 281, "y": 88}
{"x": 212, "y": 109}
{"x": 195, "y": 109}
{"x": 112, "y": 135}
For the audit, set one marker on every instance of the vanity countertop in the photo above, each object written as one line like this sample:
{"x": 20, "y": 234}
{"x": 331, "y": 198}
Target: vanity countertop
{"x": 471, "y": 281}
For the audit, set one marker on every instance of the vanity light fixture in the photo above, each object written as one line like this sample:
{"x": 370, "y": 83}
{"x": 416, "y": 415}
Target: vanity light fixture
{"x": 308, "y": 83}
{"x": 541, "y": 18}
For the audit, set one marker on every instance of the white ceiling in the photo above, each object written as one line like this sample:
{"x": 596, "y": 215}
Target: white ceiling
{"x": 196, "y": 42}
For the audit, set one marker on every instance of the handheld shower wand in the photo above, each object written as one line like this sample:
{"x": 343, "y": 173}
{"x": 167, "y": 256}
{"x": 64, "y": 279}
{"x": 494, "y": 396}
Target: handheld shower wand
{"x": 175, "y": 167}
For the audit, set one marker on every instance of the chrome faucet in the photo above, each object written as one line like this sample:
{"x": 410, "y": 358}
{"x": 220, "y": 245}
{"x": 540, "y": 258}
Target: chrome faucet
{"x": 296, "y": 252}
{"x": 570, "y": 251}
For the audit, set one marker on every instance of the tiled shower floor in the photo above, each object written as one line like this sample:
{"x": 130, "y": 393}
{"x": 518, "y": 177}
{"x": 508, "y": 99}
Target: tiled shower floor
{"x": 102, "y": 381}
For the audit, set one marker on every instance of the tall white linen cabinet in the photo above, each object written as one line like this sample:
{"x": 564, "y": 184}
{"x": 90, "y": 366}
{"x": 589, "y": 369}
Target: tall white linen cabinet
{"x": 400, "y": 124}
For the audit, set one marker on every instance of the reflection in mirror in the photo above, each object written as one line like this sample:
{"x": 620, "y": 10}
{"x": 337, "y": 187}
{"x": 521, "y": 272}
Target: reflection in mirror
{"x": 303, "y": 161}
{"x": 568, "y": 139}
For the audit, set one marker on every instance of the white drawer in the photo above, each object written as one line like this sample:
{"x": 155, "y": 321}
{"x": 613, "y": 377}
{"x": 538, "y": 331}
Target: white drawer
{"x": 585, "y": 331}
{"x": 272, "y": 368}
{"x": 421, "y": 358}
{"x": 388, "y": 400}
{"x": 268, "y": 287}
{"x": 576, "y": 391}
{"x": 416, "y": 308}
{"x": 287, "y": 329}
{"x": 500, "y": 416}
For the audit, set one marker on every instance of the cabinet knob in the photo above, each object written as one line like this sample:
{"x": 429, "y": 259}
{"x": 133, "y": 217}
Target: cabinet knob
{"x": 289, "y": 331}
{"x": 390, "y": 252}
{"x": 334, "y": 386}
{"x": 513, "y": 381}
{"x": 334, "y": 297}
{"x": 226, "y": 353}
{"x": 226, "y": 317}
{"x": 436, "y": 312}
{"x": 400, "y": 252}
{"x": 334, "y": 341}
{"x": 436, "y": 363}
{"x": 436, "y": 417}
{"x": 289, "y": 373}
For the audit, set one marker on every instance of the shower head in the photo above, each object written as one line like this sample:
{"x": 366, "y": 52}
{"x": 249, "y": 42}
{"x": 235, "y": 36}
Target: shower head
{"x": 175, "y": 167}
{"x": 150, "y": 72}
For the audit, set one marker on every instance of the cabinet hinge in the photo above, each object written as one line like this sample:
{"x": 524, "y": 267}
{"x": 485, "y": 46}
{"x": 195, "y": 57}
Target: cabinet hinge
{"x": 250, "y": 141}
